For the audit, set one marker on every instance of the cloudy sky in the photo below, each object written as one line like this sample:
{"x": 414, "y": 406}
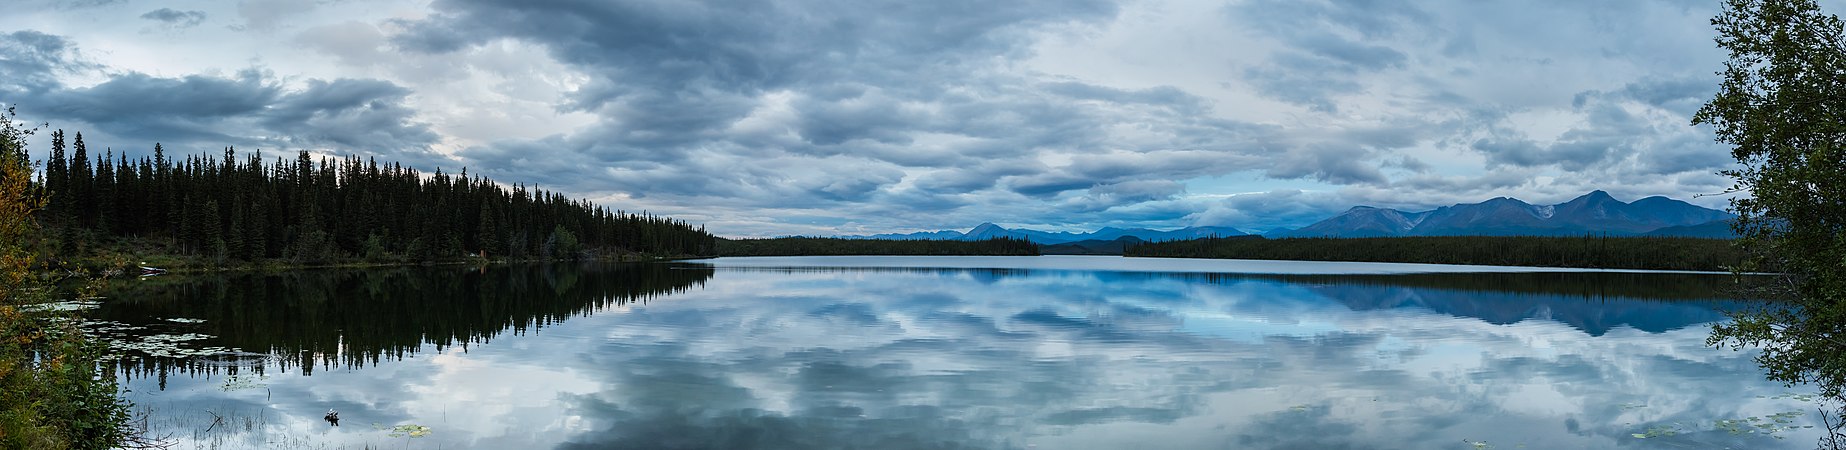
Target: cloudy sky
{"x": 761, "y": 118}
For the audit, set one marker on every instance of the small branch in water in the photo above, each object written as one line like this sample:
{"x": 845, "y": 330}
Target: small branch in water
{"x": 216, "y": 419}
{"x": 1834, "y": 439}
{"x": 137, "y": 437}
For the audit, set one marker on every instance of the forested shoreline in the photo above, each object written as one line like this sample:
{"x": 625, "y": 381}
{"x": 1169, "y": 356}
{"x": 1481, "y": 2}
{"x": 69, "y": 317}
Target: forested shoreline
{"x": 1593, "y": 252}
{"x": 240, "y": 210}
{"x": 816, "y": 246}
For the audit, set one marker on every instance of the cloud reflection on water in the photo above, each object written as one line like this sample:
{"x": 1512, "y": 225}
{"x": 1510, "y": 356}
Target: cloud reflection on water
{"x": 1073, "y": 359}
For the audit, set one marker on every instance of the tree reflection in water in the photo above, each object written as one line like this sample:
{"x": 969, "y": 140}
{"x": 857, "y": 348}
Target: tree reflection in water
{"x": 354, "y": 318}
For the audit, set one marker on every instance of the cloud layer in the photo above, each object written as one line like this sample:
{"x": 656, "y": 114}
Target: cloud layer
{"x": 825, "y": 117}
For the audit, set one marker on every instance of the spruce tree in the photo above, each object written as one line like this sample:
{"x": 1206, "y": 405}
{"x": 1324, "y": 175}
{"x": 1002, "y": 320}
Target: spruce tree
{"x": 83, "y": 201}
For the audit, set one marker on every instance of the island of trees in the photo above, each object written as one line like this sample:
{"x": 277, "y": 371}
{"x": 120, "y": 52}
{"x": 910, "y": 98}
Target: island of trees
{"x": 242, "y": 210}
{"x": 797, "y": 246}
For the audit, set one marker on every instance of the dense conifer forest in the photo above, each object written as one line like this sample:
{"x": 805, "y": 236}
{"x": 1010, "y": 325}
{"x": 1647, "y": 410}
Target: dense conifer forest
{"x": 1652, "y": 253}
{"x": 795, "y": 246}
{"x": 307, "y": 210}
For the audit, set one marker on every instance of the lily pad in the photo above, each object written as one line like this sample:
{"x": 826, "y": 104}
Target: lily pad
{"x": 406, "y": 430}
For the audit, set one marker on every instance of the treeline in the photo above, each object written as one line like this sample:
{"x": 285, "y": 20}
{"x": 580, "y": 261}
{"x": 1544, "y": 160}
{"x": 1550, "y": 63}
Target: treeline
{"x": 308, "y": 210}
{"x": 804, "y": 246}
{"x": 1651, "y": 253}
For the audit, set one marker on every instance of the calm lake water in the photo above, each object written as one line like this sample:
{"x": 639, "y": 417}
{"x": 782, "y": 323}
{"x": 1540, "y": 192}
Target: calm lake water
{"x": 942, "y": 353}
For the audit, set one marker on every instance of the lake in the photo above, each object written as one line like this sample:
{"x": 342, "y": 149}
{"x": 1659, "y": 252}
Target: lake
{"x": 1054, "y": 352}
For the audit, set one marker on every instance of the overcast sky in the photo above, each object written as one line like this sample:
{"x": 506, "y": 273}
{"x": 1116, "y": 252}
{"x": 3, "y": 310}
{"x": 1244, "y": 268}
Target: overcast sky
{"x": 761, "y": 118}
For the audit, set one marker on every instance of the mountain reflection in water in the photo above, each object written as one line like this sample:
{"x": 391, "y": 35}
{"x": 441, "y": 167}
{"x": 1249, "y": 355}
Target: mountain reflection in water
{"x": 695, "y": 356}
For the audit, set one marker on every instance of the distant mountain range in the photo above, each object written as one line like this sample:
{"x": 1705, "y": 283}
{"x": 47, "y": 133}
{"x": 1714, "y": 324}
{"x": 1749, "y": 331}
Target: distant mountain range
{"x": 1593, "y": 213}
{"x": 990, "y": 231}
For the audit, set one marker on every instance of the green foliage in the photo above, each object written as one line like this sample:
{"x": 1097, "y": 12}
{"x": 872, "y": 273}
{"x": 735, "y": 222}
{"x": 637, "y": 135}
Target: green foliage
{"x": 317, "y": 211}
{"x": 562, "y": 243}
{"x": 808, "y": 246}
{"x": 53, "y": 393}
{"x": 1656, "y": 253}
{"x": 311, "y": 248}
{"x": 374, "y": 249}
{"x": 1782, "y": 108}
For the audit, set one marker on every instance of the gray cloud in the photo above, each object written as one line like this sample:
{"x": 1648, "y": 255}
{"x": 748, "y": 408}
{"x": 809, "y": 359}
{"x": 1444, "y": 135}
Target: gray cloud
{"x": 1327, "y": 45}
{"x": 1266, "y": 211}
{"x": 363, "y": 115}
{"x": 175, "y": 18}
{"x": 37, "y": 61}
{"x": 84, "y": 4}
{"x": 1303, "y": 80}
{"x": 140, "y": 105}
{"x": 1105, "y": 196}
{"x": 352, "y": 43}
{"x": 1334, "y": 163}
{"x": 269, "y": 14}
{"x": 1519, "y": 152}
{"x": 1683, "y": 95}
{"x": 250, "y": 108}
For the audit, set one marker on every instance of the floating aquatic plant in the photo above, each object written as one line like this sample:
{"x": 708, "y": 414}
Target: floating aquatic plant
{"x": 164, "y": 345}
{"x": 68, "y": 305}
{"x": 1659, "y": 431}
{"x": 238, "y": 383}
{"x": 107, "y": 326}
{"x": 1771, "y": 425}
{"x": 1803, "y": 397}
{"x": 406, "y": 430}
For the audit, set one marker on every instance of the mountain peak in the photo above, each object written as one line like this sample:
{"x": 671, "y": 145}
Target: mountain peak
{"x": 1658, "y": 200}
{"x": 1501, "y": 202}
{"x": 984, "y": 226}
{"x": 1598, "y": 196}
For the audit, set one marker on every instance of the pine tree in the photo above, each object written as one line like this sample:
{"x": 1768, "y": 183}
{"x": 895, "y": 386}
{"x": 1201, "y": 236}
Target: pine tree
{"x": 487, "y": 232}
{"x": 83, "y": 201}
{"x": 57, "y": 174}
{"x": 210, "y": 237}
{"x": 104, "y": 193}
